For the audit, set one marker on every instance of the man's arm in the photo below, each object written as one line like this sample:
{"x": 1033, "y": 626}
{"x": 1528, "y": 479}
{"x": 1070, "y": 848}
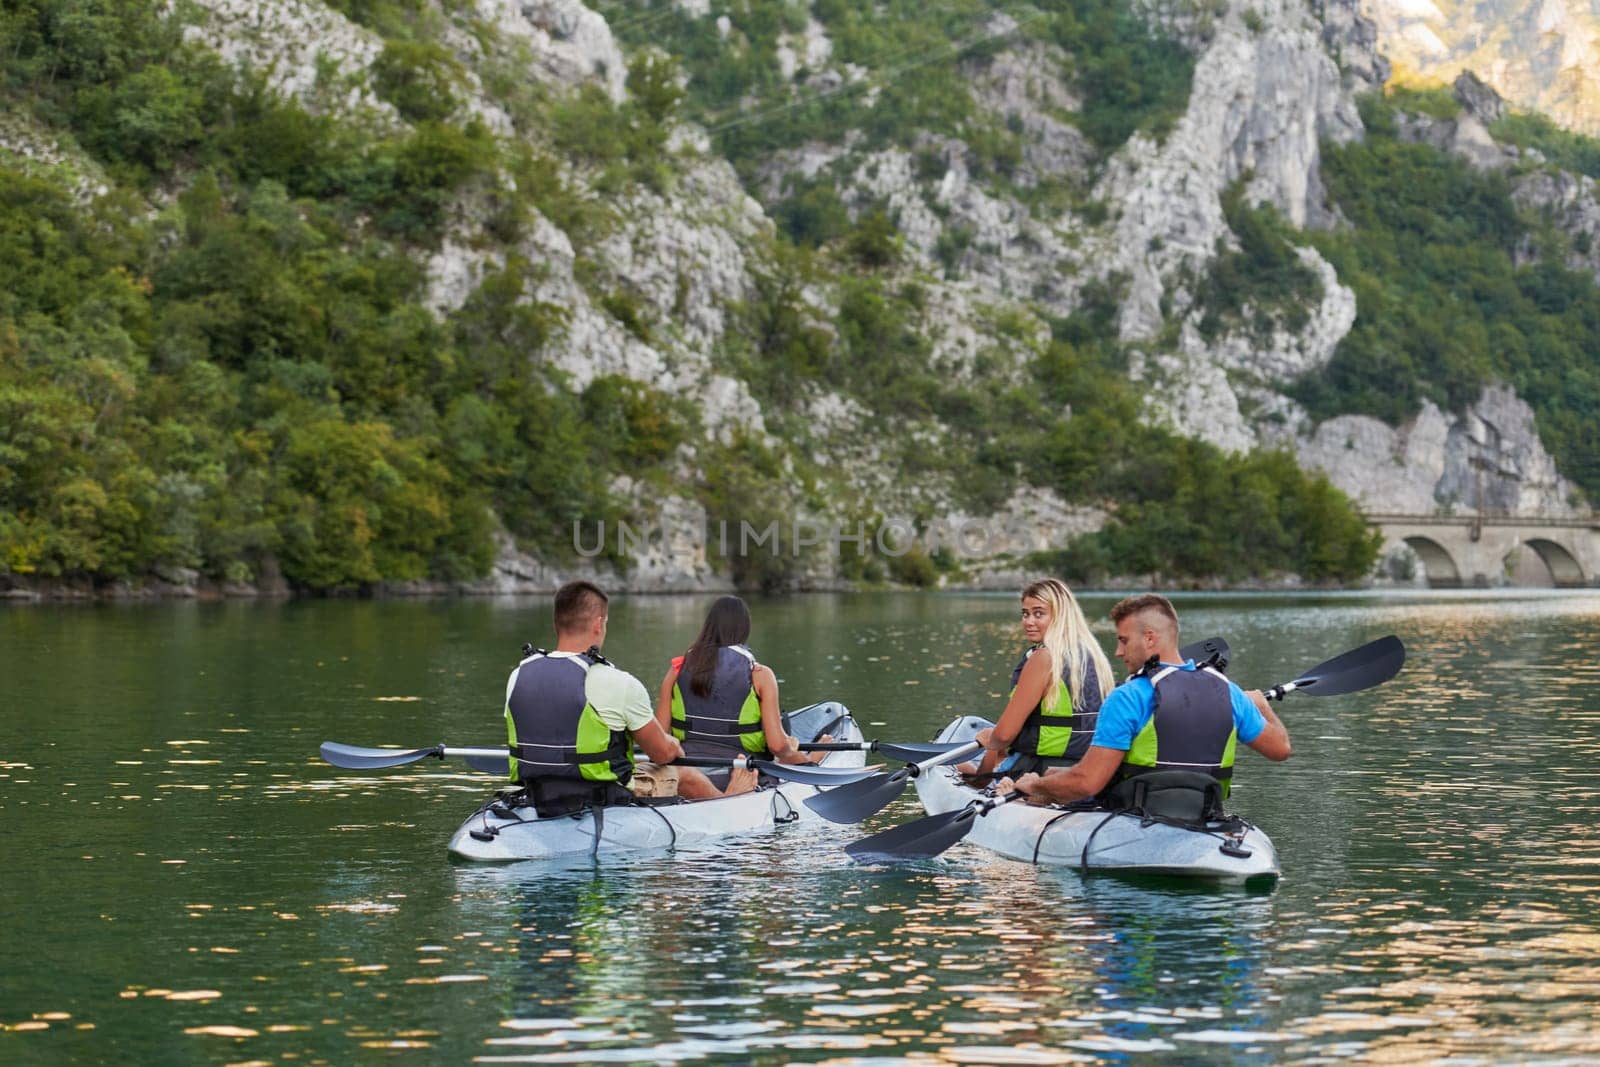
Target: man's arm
{"x": 658, "y": 745}
{"x": 1083, "y": 779}
{"x": 1273, "y": 740}
{"x": 621, "y": 702}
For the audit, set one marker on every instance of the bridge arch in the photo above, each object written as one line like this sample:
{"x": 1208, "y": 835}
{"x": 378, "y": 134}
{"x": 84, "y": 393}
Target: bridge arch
{"x": 1437, "y": 564}
{"x": 1565, "y": 571}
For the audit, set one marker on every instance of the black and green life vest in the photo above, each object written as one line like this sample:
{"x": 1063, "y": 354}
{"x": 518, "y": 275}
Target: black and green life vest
{"x": 558, "y": 744}
{"x": 729, "y": 719}
{"x": 1064, "y": 732}
{"x": 1191, "y": 728}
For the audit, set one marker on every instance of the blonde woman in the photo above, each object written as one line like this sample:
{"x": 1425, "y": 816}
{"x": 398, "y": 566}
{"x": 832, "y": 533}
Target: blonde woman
{"x": 1056, "y": 687}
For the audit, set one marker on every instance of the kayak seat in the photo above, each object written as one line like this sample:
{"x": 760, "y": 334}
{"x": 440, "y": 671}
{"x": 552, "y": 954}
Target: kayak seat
{"x": 1176, "y": 796}
{"x": 559, "y": 797}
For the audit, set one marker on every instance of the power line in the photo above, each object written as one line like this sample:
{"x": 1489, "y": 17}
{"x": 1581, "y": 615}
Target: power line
{"x": 886, "y": 75}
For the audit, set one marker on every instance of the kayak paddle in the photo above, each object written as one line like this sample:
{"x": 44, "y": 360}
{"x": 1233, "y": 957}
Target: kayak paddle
{"x": 495, "y": 761}
{"x": 808, "y": 773}
{"x": 854, "y": 802}
{"x": 1361, "y": 668}
{"x": 1213, "y": 650}
{"x": 907, "y": 751}
{"x": 928, "y": 836}
{"x": 354, "y": 758}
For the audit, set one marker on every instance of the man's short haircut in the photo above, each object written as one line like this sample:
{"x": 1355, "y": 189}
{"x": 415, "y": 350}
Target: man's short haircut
{"x": 578, "y": 604}
{"x": 1136, "y": 605}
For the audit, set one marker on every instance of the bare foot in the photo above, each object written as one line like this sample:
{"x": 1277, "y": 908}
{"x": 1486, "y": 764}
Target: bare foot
{"x": 740, "y": 780}
{"x": 967, "y": 769}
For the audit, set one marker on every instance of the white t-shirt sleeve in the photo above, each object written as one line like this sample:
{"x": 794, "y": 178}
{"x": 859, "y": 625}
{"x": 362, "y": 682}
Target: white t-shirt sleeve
{"x": 618, "y": 698}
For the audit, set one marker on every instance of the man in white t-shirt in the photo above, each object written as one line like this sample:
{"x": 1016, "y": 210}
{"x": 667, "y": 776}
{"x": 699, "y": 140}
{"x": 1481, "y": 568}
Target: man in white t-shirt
{"x": 572, "y": 719}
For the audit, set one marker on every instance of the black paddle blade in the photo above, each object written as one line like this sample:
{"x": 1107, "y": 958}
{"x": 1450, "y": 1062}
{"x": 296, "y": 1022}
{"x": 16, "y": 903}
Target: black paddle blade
{"x": 919, "y": 839}
{"x": 814, "y": 775}
{"x": 1211, "y": 649}
{"x": 1360, "y": 668}
{"x": 917, "y": 751}
{"x": 354, "y": 758}
{"x": 852, "y": 803}
{"x": 496, "y": 765}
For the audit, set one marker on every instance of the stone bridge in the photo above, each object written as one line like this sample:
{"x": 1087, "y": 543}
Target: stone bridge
{"x": 1483, "y": 550}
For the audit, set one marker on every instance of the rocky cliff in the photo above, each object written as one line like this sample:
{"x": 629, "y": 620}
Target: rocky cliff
{"x": 1543, "y": 55}
{"x": 1272, "y": 84}
{"x": 997, "y": 257}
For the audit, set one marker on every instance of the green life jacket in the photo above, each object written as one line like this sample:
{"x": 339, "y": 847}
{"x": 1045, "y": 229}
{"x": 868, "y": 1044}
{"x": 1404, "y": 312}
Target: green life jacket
{"x": 557, "y": 741}
{"x": 1064, "y": 732}
{"x": 1191, "y": 728}
{"x": 729, "y": 718}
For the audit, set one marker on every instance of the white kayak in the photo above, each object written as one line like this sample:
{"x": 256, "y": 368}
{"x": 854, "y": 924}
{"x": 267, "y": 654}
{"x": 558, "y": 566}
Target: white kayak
{"x": 498, "y": 833}
{"x": 1100, "y": 840}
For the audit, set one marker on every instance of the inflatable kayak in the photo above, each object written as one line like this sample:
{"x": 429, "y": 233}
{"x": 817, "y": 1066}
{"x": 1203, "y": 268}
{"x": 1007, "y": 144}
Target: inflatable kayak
{"x": 1230, "y": 850}
{"x": 502, "y": 831}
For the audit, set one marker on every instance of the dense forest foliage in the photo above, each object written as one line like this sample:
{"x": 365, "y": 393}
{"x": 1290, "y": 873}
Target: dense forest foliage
{"x": 1447, "y": 302}
{"x": 243, "y": 378}
{"x": 223, "y": 362}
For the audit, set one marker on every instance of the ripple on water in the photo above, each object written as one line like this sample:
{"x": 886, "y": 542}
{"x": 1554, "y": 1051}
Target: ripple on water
{"x": 1442, "y": 865}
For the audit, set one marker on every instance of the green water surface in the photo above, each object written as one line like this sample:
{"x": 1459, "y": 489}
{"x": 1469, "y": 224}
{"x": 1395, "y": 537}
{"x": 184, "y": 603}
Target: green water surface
{"x": 184, "y": 881}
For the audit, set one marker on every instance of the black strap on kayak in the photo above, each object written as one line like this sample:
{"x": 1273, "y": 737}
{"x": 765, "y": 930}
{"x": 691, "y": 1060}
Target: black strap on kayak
{"x": 1083, "y": 857}
{"x": 1077, "y": 807}
{"x": 672, "y": 844}
{"x": 502, "y": 805}
{"x": 1039, "y": 841}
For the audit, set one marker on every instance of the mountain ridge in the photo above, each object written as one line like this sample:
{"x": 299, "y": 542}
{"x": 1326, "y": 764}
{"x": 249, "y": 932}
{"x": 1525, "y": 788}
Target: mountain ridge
{"x": 979, "y": 280}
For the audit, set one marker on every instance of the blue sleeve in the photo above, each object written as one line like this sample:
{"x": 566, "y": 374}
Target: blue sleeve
{"x": 1124, "y": 714}
{"x": 1247, "y": 718}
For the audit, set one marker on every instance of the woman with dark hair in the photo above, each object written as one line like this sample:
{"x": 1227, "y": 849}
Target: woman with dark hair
{"x": 718, "y": 701}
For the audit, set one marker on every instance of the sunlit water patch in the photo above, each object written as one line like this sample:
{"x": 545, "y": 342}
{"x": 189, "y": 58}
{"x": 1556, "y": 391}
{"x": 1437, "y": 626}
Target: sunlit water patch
{"x": 186, "y": 880}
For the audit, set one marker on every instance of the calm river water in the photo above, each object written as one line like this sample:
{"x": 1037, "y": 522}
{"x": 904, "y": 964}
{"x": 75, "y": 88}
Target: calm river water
{"x": 184, "y": 881}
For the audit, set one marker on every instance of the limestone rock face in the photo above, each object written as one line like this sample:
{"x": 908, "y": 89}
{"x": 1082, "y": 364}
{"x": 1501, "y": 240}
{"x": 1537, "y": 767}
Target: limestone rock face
{"x": 809, "y": 51}
{"x": 1490, "y": 456}
{"x": 993, "y": 548}
{"x": 668, "y": 551}
{"x": 1464, "y": 136}
{"x": 1479, "y": 98}
{"x": 30, "y": 148}
{"x": 680, "y": 259}
{"x": 1260, "y": 105}
{"x": 1019, "y": 86}
{"x": 570, "y": 43}
{"x": 1197, "y": 400}
{"x": 1290, "y": 355}
{"x": 1543, "y": 55}
{"x": 306, "y": 50}
{"x": 1352, "y": 39}
{"x": 1572, "y": 202}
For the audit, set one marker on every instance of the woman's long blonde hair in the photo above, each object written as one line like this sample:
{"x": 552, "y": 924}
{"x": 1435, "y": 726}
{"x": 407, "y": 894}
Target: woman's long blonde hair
{"x": 1069, "y": 641}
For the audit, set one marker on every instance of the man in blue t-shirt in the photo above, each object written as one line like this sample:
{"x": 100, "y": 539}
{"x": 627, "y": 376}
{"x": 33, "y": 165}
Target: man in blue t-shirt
{"x": 1196, "y": 729}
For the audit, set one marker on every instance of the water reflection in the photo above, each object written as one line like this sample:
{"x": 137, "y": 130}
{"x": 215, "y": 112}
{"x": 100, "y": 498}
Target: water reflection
{"x": 966, "y": 962}
{"x": 211, "y": 891}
